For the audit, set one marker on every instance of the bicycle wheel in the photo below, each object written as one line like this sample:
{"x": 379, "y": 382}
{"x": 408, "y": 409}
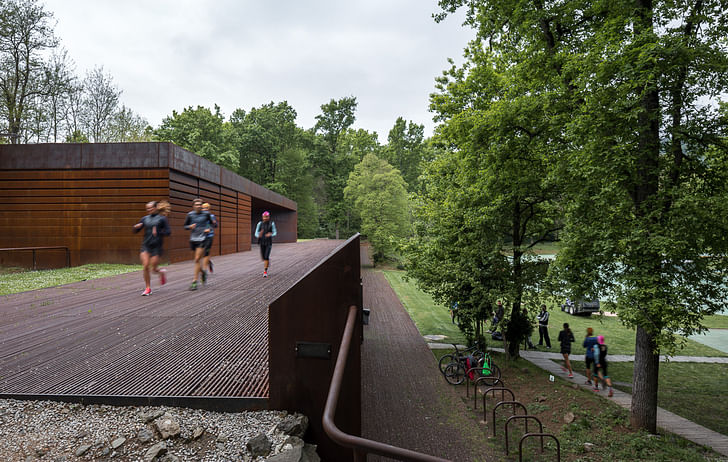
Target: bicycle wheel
{"x": 445, "y": 360}
{"x": 455, "y": 373}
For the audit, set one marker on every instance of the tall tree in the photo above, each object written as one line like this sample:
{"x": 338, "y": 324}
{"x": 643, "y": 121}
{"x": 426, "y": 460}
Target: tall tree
{"x": 126, "y": 126}
{"x": 100, "y": 103}
{"x": 379, "y": 195}
{"x": 646, "y": 215}
{"x": 405, "y": 150}
{"x": 331, "y": 165}
{"x": 25, "y": 35}
{"x": 201, "y": 131}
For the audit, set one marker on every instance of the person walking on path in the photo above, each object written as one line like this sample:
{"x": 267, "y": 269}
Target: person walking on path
{"x": 265, "y": 231}
{"x": 199, "y": 224}
{"x": 589, "y": 342}
{"x": 600, "y": 366}
{"x": 543, "y": 327}
{"x": 566, "y": 337}
{"x": 207, "y": 264}
{"x": 155, "y": 227}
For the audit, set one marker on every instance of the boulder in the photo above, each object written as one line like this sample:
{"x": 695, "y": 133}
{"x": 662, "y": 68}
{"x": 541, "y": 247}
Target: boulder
{"x": 259, "y": 445}
{"x": 294, "y": 425}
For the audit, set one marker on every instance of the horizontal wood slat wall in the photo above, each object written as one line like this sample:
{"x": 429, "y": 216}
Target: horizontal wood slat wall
{"x": 89, "y": 211}
{"x": 87, "y": 197}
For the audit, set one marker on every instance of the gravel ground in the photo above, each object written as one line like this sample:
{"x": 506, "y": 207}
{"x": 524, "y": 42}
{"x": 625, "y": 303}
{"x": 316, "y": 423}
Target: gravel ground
{"x": 45, "y": 430}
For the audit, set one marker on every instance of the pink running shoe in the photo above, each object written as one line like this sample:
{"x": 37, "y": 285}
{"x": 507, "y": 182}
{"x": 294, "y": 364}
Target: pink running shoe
{"x": 265, "y": 274}
{"x": 147, "y": 291}
{"x": 162, "y": 276}
{"x": 571, "y": 376}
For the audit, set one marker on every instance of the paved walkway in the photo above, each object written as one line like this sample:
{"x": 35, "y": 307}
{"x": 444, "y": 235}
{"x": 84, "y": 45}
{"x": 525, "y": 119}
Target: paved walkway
{"x": 612, "y": 358}
{"x": 665, "y": 419}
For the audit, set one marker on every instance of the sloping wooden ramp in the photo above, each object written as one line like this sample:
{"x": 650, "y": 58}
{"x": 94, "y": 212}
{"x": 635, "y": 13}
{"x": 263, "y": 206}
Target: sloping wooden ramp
{"x": 100, "y": 340}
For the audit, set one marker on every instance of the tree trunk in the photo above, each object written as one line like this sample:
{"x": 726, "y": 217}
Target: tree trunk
{"x": 643, "y": 413}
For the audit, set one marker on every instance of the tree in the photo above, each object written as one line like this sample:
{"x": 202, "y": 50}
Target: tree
{"x": 501, "y": 194}
{"x": 405, "y": 149}
{"x": 25, "y": 35}
{"x": 330, "y": 164}
{"x": 125, "y": 126}
{"x": 201, "y": 131}
{"x": 261, "y": 136}
{"x": 379, "y": 195}
{"x": 61, "y": 83}
{"x": 644, "y": 156}
{"x": 100, "y": 102}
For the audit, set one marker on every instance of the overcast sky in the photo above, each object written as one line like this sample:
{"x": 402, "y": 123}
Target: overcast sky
{"x": 167, "y": 55}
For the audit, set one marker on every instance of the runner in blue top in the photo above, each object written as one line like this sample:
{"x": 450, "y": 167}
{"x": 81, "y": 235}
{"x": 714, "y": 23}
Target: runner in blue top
{"x": 155, "y": 227}
{"x": 208, "y": 242}
{"x": 200, "y": 224}
{"x": 589, "y": 342}
{"x": 265, "y": 231}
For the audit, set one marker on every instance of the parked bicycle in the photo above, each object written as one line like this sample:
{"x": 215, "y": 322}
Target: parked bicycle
{"x": 471, "y": 363}
{"x": 460, "y": 355}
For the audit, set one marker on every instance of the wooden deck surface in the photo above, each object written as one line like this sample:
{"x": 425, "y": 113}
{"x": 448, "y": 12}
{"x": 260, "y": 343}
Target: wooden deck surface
{"x": 102, "y": 338}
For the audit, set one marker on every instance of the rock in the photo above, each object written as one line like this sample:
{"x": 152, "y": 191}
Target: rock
{"x": 151, "y": 415}
{"x": 156, "y": 450}
{"x": 294, "y": 425}
{"x": 290, "y": 454}
{"x": 106, "y": 451}
{"x": 588, "y": 447}
{"x": 295, "y": 442}
{"x": 259, "y": 445}
{"x": 167, "y": 427}
{"x": 541, "y": 399}
{"x": 83, "y": 449}
{"x": 145, "y": 435}
{"x": 169, "y": 458}
{"x": 40, "y": 452}
{"x": 117, "y": 442}
{"x": 569, "y": 417}
{"x": 309, "y": 454}
{"x": 197, "y": 433}
{"x": 222, "y": 439}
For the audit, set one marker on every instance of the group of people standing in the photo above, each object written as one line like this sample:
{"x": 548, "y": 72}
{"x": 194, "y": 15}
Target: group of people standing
{"x": 201, "y": 224}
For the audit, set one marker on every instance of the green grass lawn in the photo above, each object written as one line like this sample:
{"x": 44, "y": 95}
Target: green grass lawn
{"x": 22, "y": 281}
{"x": 695, "y": 391}
{"x": 429, "y": 317}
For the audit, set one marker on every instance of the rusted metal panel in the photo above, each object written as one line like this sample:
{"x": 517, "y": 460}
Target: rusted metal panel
{"x": 40, "y": 156}
{"x": 315, "y": 310}
{"x": 120, "y": 155}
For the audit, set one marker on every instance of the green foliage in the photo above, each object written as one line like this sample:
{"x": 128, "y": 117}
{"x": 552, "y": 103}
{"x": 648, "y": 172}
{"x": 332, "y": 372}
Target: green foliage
{"x": 77, "y": 137}
{"x": 379, "y": 197}
{"x": 201, "y": 131}
{"x": 405, "y": 150}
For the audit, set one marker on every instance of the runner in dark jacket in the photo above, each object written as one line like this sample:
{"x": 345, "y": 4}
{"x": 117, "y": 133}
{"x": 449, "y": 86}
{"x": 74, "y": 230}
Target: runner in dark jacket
{"x": 155, "y": 227}
{"x": 200, "y": 224}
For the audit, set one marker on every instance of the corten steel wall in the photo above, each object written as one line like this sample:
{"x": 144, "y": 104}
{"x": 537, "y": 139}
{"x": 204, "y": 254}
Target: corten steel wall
{"x": 315, "y": 311}
{"x": 88, "y": 196}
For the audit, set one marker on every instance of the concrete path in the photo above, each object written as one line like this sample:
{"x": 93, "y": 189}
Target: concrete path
{"x": 665, "y": 419}
{"x": 612, "y": 358}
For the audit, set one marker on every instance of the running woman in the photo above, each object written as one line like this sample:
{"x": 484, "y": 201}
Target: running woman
{"x": 600, "y": 366}
{"x": 265, "y": 231}
{"x": 155, "y": 227}
{"x": 200, "y": 224}
{"x": 589, "y": 342}
{"x": 566, "y": 338}
{"x": 208, "y": 242}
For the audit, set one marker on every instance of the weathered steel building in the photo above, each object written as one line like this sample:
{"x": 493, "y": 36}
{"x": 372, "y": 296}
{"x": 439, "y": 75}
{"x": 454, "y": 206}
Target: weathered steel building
{"x": 86, "y": 197}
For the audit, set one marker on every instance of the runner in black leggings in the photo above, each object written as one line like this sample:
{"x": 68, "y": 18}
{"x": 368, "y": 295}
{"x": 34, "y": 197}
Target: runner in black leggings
{"x": 155, "y": 228}
{"x": 265, "y": 231}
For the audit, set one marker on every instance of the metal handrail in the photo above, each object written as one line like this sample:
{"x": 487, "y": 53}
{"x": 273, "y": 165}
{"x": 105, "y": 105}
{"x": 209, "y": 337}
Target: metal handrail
{"x": 361, "y": 446}
{"x": 56, "y": 247}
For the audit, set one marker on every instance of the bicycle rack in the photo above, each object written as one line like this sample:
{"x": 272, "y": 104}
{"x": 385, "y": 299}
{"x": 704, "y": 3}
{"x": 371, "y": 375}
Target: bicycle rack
{"x": 529, "y": 435}
{"x": 525, "y": 418}
{"x": 514, "y": 403}
{"x": 496, "y": 381}
{"x": 503, "y": 391}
